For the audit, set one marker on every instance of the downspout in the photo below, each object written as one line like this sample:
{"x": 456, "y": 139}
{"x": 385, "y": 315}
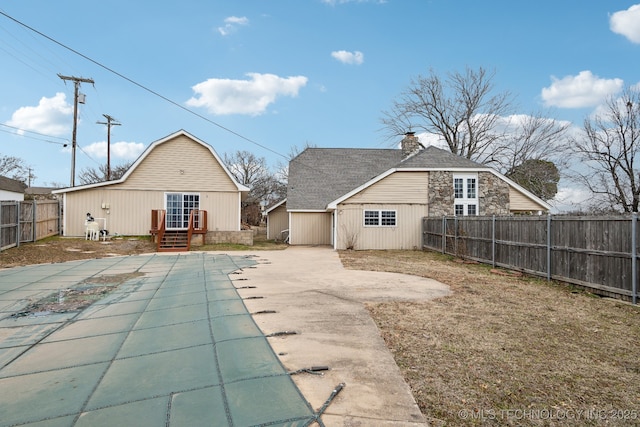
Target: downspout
{"x": 289, "y": 213}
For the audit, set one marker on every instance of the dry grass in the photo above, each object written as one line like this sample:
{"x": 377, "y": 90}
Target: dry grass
{"x": 505, "y": 350}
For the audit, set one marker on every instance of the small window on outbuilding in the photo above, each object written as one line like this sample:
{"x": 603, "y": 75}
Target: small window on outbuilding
{"x": 379, "y": 218}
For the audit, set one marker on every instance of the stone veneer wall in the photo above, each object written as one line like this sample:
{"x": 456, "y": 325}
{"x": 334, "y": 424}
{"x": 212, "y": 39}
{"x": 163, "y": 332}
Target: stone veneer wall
{"x": 243, "y": 237}
{"x": 493, "y": 194}
{"x": 440, "y": 193}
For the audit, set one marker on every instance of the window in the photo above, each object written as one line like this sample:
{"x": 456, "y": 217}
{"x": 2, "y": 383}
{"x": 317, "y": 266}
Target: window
{"x": 179, "y": 206}
{"x": 380, "y": 218}
{"x": 465, "y": 192}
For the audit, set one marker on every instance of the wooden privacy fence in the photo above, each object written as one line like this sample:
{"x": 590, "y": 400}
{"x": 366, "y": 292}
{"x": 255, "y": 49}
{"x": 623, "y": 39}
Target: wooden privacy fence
{"x": 600, "y": 253}
{"x": 28, "y": 221}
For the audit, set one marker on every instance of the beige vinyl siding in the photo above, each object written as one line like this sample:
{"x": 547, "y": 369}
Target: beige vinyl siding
{"x": 519, "y": 202}
{"x": 129, "y": 211}
{"x": 277, "y": 221}
{"x": 399, "y": 187}
{"x": 179, "y": 165}
{"x": 405, "y": 235}
{"x": 310, "y": 228}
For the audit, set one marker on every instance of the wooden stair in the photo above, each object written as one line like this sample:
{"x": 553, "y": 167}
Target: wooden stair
{"x": 174, "y": 241}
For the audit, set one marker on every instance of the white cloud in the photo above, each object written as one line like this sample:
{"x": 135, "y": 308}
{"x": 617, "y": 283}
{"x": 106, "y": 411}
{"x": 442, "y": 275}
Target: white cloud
{"x": 627, "y": 23}
{"x": 348, "y": 57}
{"x": 251, "y": 97}
{"x": 51, "y": 116}
{"x": 119, "y": 150}
{"x": 583, "y": 90}
{"x": 231, "y": 23}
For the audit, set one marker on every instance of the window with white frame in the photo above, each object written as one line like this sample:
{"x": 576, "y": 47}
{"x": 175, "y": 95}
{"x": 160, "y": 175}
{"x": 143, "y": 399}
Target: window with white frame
{"x": 465, "y": 192}
{"x": 179, "y": 206}
{"x": 375, "y": 218}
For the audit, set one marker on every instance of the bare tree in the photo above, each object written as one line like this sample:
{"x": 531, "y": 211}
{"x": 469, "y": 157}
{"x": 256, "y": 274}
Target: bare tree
{"x": 264, "y": 187}
{"x": 245, "y": 167}
{"x": 533, "y": 151}
{"x": 463, "y": 109}
{"x": 532, "y": 137}
{"x": 91, "y": 175}
{"x": 466, "y": 112}
{"x": 609, "y": 146}
{"x": 15, "y": 168}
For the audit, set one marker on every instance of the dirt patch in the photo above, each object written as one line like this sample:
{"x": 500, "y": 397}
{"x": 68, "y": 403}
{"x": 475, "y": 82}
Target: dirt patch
{"x": 59, "y": 249}
{"x": 78, "y": 297}
{"x": 508, "y": 349}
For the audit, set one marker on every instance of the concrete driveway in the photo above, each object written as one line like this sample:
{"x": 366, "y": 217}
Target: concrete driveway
{"x": 323, "y": 303}
{"x": 145, "y": 351}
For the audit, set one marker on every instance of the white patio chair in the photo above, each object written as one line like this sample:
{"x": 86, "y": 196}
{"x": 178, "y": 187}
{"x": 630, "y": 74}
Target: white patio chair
{"x": 92, "y": 231}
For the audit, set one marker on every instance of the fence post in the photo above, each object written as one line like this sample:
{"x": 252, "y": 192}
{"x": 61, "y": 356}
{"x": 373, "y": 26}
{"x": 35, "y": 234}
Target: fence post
{"x": 34, "y": 220}
{"x": 455, "y": 236}
{"x": 548, "y": 246}
{"x": 18, "y": 228}
{"x": 634, "y": 285}
{"x": 444, "y": 234}
{"x": 493, "y": 241}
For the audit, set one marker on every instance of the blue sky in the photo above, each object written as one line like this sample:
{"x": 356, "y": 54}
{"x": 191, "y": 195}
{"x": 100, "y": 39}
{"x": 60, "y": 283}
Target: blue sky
{"x": 265, "y": 76}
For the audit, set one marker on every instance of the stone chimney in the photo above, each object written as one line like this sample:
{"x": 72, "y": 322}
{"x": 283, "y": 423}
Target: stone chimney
{"x": 410, "y": 144}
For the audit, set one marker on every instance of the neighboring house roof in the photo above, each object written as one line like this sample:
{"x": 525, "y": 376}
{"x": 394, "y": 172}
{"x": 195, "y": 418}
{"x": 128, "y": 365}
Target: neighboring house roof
{"x": 39, "y": 190}
{"x": 240, "y": 187}
{"x": 12, "y": 185}
{"x": 320, "y": 178}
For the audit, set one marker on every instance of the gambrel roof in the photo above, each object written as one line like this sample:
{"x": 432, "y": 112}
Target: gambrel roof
{"x": 145, "y": 154}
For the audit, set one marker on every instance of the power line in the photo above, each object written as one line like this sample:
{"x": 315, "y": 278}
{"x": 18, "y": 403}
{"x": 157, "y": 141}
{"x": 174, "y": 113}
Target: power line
{"x": 176, "y": 104}
{"x": 64, "y": 144}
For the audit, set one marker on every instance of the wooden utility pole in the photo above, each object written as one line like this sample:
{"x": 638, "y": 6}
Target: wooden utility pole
{"x": 76, "y": 81}
{"x": 110, "y": 122}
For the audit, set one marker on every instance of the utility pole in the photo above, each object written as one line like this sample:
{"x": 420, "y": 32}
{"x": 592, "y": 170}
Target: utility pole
{"x": 110, "y": 122}
{"x": 76, "y": 82}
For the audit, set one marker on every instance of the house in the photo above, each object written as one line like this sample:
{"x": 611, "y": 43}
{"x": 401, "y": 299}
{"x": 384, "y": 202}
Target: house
{"x": 172, "y": 178}
{"x": 375, "y": 198}
{"x": 11, "y": 189}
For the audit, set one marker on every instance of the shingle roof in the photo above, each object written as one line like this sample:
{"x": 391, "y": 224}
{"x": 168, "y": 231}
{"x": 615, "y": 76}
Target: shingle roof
{"x": 433, "y": 157}
{"x": 13, "y": 185}
{"x": 320, "y": 175}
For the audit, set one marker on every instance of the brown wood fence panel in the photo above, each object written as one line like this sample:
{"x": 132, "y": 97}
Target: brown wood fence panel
{"x": 9, "y": 223}
{"x": 596, "y": 252}
{"x": 28, "y": 221}
{"x": 47, "y": 219}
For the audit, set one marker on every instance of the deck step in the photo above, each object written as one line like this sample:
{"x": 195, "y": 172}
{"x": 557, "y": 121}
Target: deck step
{"x": 174, "y": 241}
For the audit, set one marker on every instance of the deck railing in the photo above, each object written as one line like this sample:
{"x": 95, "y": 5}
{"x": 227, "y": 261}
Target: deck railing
{"x": 197, "y": 224}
